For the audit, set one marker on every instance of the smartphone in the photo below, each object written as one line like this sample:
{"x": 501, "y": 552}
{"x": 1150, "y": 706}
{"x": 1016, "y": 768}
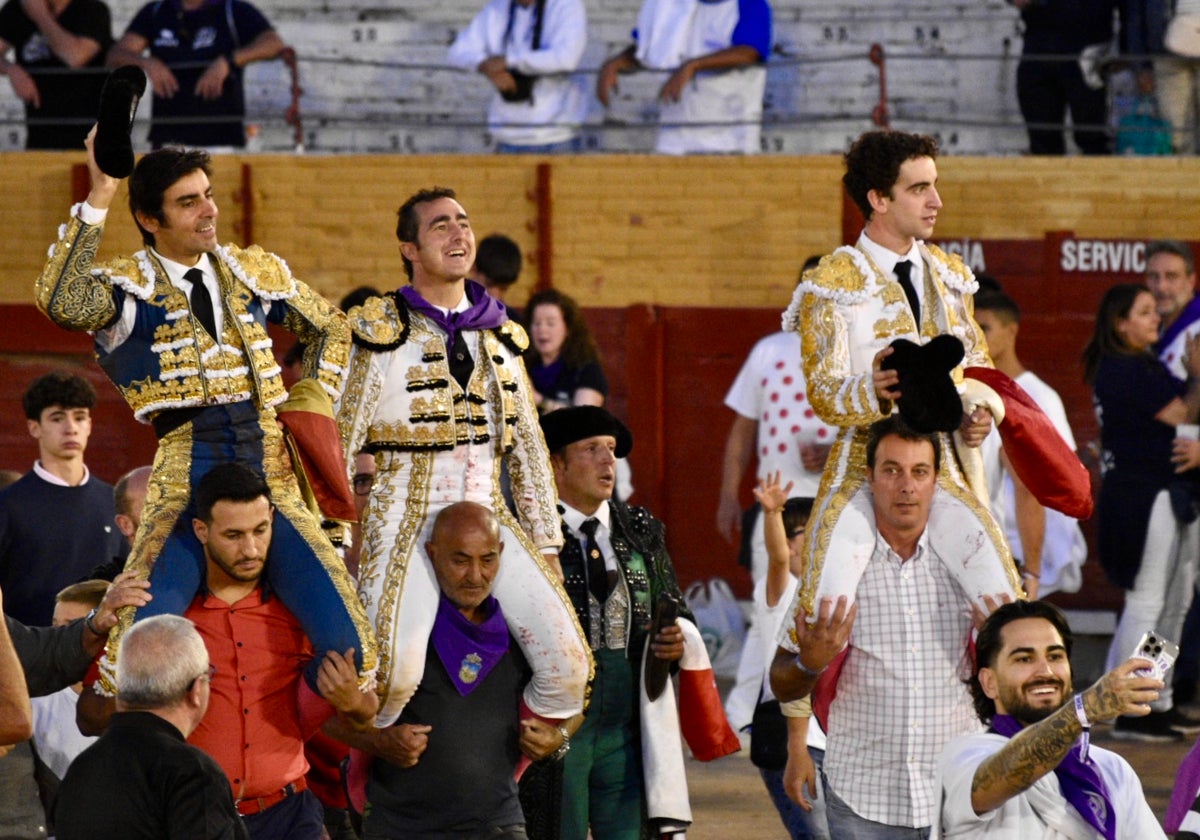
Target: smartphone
{"x": 1160, "y": 651}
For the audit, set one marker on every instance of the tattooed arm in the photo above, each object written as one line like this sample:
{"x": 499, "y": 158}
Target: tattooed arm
{"x": 1037, "y": 749}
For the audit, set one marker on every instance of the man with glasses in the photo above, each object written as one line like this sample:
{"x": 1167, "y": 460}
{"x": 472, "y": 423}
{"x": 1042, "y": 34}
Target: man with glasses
{"x": 142, "y": 779}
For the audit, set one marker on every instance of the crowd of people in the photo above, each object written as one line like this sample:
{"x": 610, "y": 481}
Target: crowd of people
{"x": 193, "y": 53}
{"x": 496, "y": 658}
{"x": 712, "y": 55}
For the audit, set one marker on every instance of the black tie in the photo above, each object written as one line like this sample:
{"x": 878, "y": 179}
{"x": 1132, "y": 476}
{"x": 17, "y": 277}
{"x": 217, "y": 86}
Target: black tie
{"x": 904, "y": 273}
{"x": 461, "y": 363}
{"x": 597, "y": 572}
{"x": 201, "y": 300}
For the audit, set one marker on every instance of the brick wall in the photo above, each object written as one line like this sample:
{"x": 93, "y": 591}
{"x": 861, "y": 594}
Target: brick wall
{"x": 821, "y": 87}
{"x": 727, "y": 232}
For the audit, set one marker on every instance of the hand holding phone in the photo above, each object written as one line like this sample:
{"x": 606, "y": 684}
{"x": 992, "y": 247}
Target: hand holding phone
{"x": 1160, "y": 651}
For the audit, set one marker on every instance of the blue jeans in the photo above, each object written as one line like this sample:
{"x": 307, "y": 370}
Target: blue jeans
{"x": 299, "y": 817}
{"x": 800, "y": 824}
{"x": 572, "y": 146}
{"x": 844, "y": 824}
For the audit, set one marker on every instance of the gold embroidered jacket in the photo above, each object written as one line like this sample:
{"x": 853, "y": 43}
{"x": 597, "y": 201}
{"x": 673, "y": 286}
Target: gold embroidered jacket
{"x": 151, "y": 346}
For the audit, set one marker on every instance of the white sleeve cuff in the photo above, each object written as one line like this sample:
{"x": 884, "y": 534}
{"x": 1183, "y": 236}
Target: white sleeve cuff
{"x": 90, "y": 215}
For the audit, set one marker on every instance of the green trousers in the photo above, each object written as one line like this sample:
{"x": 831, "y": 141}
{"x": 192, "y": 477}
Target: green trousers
{"x": 602, "y": 773}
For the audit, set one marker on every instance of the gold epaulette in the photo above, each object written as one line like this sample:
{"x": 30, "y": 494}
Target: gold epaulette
{"x": 379, "y": 323}
{"x": 838, "y": 273}
{"x": 514, "y": 336}
{"x": 953, "y": 270}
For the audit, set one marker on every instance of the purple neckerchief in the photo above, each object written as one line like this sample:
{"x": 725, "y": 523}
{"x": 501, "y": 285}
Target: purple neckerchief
{"x": 1188, "y": 316}
{"x": 1080, "y": 782}
{"x": 1187, "y": 787}
{"x": 484, "y": 313}
{"x": 469, "y": 651}
{"x": 545, "y": 376}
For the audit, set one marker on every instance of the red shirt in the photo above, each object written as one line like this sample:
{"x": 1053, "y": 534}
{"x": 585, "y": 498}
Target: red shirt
{"x": 255, "y": 727}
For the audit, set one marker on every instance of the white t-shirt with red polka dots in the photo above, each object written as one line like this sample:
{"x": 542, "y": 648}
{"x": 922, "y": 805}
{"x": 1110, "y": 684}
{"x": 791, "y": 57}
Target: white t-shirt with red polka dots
{"x": 770, "y": 390}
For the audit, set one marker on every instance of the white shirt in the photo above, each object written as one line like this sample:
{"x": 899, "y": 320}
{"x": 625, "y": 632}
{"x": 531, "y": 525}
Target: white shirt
{"x": 1042, "y": 812}
{"x": 50, "y": 478}
{"x": 55, "y": 734}
{"x": 115, "y": 334}
{"x": 770, "y": 390}
{"x": 901, "y": 695}
{"x": 559, "y": 101}
{"x": 772, "y": 618}
{"x": 575, "y": 520}
{"x": 886, "y": 259}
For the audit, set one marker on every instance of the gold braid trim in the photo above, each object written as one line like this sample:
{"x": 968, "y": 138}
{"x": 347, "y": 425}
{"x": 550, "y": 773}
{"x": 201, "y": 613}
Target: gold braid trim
{"x": 285, "y": 494}
{"x": 167, "y": 496}
{"x": 67, "y": 291}
{"x": 415, "y": 504}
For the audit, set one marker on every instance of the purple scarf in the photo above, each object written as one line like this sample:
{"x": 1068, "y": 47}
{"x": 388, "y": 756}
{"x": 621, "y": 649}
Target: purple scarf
{"x": 484, "y": 313}
{"x": 1187, "y": 786}
{"x": 469, "y": 651}
{"x": 1189, "y": 315}
{"x": 1080, "y": 782}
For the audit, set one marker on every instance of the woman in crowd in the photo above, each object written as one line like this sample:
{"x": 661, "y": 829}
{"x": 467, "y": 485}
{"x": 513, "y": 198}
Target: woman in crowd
{"x": 562, "y": 358}
{"x": 1148, "y": 534}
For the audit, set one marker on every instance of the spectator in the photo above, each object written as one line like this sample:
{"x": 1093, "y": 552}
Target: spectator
{"x": 52, "y": 658}
{"x": 142, "y": 780}
{"x": 616, "y": 570}
{"x": 195, "y": 315}
{"x": 419, "y": 784}
{"x": 1049, "y": 781}
{"x": 715, "y": 52}
{"x": 49, "y": 38}
{"x": 848, "y": 312}
{"x": 528, "y": 50}
{"x": 438, "y": 393}
{"x": 37, "y": 557}
{"x": 790, "y": 441}
{"x": 1171, "y": 278}
{"x": 913, "y": 626}
{"x": 563, "y": 361}
{"x": 1060, "y": 37}
{"x": 793, "y": 788}
{"x": 56, "y": 738}
{"x": 129, "y": 498}
{"x": 1173, "y": 79}
{"x": 1050, "y": 545}
{"x": 497, "y": 268}
{"x": 1148, "y": 545}
{"x": 262, "y": 710}
{"x": 194, "y": 52}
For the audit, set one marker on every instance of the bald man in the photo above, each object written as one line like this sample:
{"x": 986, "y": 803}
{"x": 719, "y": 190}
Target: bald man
{"x": 420, "y": 783}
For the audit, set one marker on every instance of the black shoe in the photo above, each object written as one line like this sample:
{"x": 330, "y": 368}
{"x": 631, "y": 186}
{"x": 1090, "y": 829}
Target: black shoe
{"x": 1155, "y": 726}
{"x": 1180, "y": 721}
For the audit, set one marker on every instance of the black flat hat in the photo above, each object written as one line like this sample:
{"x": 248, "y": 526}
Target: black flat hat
{"x": 119, "y": 99}
{"x": 568, "y": 425}
{"x": 929, "y": 400}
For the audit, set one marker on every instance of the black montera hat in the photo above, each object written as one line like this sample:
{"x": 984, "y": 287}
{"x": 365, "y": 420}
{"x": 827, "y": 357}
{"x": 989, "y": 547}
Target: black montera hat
{"x": 929, "y": 400}
{"x": 567, "y": 425}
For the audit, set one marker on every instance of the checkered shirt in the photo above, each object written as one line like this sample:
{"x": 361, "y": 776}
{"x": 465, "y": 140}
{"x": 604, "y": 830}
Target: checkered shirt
{"x": 900, "y": 696}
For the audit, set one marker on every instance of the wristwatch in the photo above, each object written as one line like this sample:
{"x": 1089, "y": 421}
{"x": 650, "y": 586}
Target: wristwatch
{"x": 564, "y": 747}
{"x": 90, "y": 623}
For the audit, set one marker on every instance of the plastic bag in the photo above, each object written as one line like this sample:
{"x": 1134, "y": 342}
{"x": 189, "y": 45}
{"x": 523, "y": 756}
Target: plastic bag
{"x": 721, "y": 623}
